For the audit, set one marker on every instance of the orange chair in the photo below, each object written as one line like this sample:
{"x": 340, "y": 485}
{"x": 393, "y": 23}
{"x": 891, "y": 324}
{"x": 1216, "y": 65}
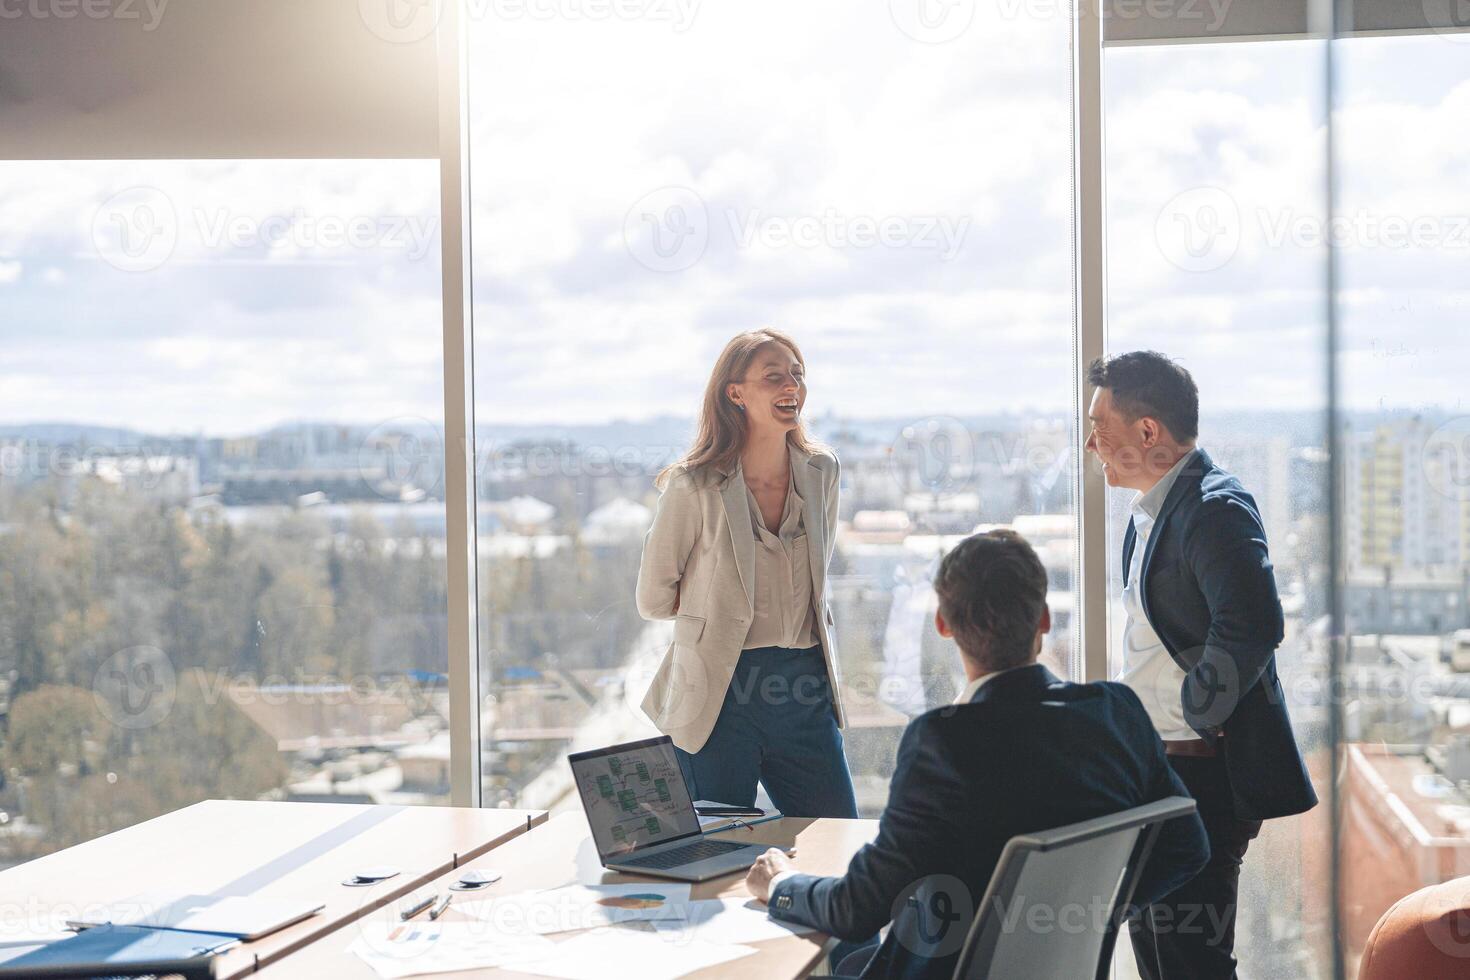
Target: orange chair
{"x": 1425, "y": 936}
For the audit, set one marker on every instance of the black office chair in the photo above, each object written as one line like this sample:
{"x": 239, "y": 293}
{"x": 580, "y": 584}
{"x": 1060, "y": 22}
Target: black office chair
{"x": 194, "y": 968}
{"x": 1095, "y": 862}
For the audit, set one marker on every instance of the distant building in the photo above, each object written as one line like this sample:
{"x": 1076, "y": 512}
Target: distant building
{"x": 1396, "y": 511}
{"x": 1406, "y": 824}
{"x": 522, "y": 515}
{"x": 620, "y": 521}
{"x": 168, "y": 479}
{"x": 1423, "y": 601}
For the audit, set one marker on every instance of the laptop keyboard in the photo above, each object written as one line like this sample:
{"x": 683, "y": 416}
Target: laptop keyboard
{"x": 687, "y": 854}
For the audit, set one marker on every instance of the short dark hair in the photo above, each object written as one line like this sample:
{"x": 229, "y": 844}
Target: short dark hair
{"x": 1147, "y": 383}
{"x": 992, "y": 593}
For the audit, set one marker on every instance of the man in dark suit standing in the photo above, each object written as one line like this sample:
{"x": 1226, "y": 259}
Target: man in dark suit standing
{"x": 1199, "y": 647}
{"x": 1019, "y": 751}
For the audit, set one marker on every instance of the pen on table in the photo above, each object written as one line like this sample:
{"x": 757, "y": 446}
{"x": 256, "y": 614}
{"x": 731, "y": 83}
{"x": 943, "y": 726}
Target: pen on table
{"x": 438, "y": 910}
{"x": 418, "y": 907}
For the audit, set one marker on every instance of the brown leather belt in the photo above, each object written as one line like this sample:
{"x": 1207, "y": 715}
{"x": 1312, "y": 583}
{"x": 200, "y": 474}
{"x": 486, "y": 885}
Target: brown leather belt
{"x": 1196, "y": 747}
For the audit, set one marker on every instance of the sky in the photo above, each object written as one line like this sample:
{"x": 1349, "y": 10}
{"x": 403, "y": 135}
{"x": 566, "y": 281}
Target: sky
{"x": 644, "y": 187}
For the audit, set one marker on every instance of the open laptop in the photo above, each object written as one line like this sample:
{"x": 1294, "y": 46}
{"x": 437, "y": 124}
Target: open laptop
{"x": 642, "y": 815}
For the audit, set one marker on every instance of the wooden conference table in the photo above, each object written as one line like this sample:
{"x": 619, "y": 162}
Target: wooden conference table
{"x": 270, "y": 850}
{"x": 561, "y": 853}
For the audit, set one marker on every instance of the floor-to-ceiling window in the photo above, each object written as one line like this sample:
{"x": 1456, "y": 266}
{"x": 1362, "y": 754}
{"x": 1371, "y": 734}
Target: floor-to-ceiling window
{"x": 221, "y": 513}
{"x": 1215, "y": 159}
{"x": 1402, "y": 230}
{"x": 889, "y": 184}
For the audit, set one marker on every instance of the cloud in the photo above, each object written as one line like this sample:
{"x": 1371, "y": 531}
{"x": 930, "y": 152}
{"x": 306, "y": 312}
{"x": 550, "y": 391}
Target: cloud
{"x": 777, "y": 116}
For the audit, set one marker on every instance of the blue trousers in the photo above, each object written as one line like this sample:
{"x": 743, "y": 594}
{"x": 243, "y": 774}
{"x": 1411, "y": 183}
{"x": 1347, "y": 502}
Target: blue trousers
{"x": 776, "y": 726}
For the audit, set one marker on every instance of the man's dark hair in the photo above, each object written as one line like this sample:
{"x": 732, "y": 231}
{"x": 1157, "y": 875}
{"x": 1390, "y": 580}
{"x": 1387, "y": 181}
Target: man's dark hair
{"x": 992, "y": 593}
{"x": 1146, "y": 383}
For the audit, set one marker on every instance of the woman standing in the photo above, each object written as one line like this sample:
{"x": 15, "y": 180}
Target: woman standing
{"x": 737, "y": 556}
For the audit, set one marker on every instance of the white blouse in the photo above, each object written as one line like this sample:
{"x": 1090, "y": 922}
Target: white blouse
{"x": 783, "y": 615}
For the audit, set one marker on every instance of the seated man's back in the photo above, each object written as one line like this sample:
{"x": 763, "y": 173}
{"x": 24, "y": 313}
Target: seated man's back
{"x": 1029, "y": 752}
{"x": 1020, "y": 752}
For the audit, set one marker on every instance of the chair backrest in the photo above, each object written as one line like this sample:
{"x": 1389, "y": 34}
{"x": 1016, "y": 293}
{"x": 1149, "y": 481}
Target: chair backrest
{"x": 1053, "y": 905}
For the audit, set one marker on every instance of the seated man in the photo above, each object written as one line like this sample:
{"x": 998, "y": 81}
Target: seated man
{"x": 1019, "y": 751}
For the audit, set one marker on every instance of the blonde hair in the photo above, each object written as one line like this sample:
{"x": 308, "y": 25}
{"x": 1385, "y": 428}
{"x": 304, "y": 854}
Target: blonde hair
{"x": 720, "y": 436}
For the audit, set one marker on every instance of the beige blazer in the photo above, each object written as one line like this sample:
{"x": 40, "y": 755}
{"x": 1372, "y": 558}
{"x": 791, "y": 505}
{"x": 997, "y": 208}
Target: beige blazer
{"x": 700, "y": 554}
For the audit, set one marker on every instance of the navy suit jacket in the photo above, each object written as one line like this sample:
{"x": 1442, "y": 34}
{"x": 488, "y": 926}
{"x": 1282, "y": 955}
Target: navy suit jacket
{"x": 1210, "y": 595}
{"x": 1027, "y": 753}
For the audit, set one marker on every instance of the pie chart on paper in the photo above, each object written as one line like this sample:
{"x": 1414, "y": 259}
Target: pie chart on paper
{"x": 639, "y": 900}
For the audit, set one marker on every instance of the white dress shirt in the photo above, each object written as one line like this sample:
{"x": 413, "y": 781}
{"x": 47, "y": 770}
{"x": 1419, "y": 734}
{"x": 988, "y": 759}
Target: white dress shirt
{"x": 1147, "y": 666}
{"x": 979, "y": 682}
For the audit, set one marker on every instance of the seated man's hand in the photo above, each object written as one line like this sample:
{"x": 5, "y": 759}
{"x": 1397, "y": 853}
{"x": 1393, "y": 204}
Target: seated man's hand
{"x": 766, "y": 867}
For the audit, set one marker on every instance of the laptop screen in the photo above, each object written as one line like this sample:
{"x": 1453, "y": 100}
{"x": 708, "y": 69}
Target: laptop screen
{"x": 634, "y": 795}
